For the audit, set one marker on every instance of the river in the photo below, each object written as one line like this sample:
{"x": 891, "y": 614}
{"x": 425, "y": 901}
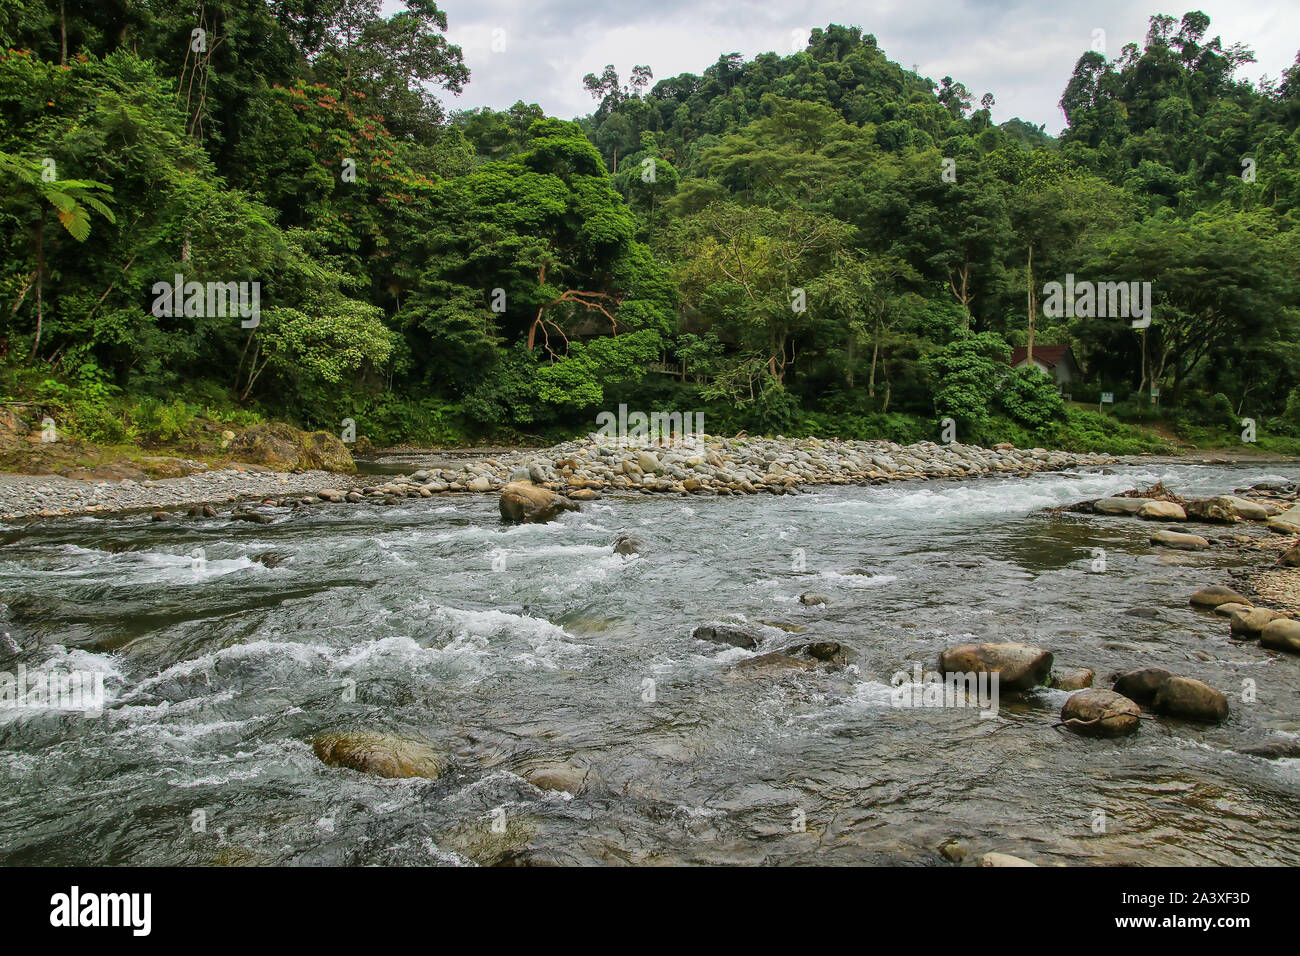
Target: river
{"x": 227, "y": 645}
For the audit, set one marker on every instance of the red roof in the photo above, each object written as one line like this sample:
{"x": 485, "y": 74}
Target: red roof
{"x": 1049, "y": 355}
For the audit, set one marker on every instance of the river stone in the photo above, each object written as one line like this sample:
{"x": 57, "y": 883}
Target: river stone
{"x": 561, "y": 777}
{"x": 1101, "y": 713}
{"x": 1231, "y": 608}
{"x": 381, "y": 754}
{"x": 812, "y": 597}
{"x": 725, "y": 634}
{"x": 1215, "y": 595}
{"x": 1282, "y": 634}
{"x": 480, "y": 484}
{"x": 954, "y": 851}
{"x": 1003, "y": 859}
{"x": 521, "y": 501}
{"x": 1141, "y": 685}
{"x": 1291, "y": 559}
{"x": 584, "y": 494}
{"x": 1218, "y": 510}
{"x": 828, "y": 651}
{"x": 1142, "y": 611}
{"x": 772, "y": 663}
{"x": 284, "y": 448}
{"x": 1191, "y": 700}
{"x": 1018, "y": 666}
{"x": 1275, "y": 749}
{"x": 1119, "y": 506}
{"x": 1162, "y": 511}
{"x": 1252, "y": 622}
{"x": 628, "y": 544}
{"x": 1071, "y": 678}
{"x": 649, "y": 462}
{"x": 1247, "y": 509}
{"x": 254, "y": 516}
{"x": 1183, "y": 542}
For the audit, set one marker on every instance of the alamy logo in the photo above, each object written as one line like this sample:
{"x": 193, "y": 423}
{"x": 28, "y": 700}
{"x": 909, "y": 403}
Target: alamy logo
{"x": 1100, "y": 300}
{"x": 214, "y": 300}
{"x": 103, "y": 909}
{"x": 46, "y": 690}
{"x": 657, "y": 428}
{"x": 953, "y": 689}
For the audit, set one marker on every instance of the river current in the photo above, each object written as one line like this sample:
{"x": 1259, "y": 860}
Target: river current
{"x": 226, "y": 646}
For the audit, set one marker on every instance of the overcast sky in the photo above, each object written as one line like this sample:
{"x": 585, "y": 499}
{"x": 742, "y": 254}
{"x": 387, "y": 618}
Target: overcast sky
{"x": 1022, "y": 52}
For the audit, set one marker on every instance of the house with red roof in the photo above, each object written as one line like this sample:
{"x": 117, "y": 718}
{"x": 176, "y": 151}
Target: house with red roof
{"x": 1054, "y": 360}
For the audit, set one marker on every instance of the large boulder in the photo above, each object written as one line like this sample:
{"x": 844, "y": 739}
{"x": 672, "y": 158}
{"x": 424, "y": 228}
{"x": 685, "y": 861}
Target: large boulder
{"x": 284, "y": 448}
{"x": 1214, "y": 595}
{"x": 1101, "y": 713}
{"x": 1142, "y": 685}
{"x": 1191, "y": 700}
{"x": 1018, "y": 666}
{"x": 382, "y": 754}
{"x": 1282, "y": 634}
{"x": 522, "y": 501}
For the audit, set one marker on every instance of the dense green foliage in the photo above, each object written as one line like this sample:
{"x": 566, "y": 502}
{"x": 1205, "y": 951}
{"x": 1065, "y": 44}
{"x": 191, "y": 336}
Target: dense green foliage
{"x": 816, "y": 243}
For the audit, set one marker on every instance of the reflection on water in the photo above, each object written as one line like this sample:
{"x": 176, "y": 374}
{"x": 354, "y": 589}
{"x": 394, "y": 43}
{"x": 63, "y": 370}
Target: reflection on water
{"x": 218, "y": 670}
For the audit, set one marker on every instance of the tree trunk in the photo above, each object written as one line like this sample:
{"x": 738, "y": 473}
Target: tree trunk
{"x": 1033, "y": 306}
{"x": 875, "y": 355}
{"x": 40, "y": 280}
{"x": 63, "y": 36}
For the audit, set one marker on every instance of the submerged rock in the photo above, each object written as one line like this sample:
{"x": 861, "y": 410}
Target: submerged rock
{"x": 524, "y": 502}
{"x": 1071, "y": 678}
{"x": 382, "y": 754}
{"x": 1101, "y": 713}
{"x": 725, "y": 634}
{"x": 628, "y": 544}
{"x": 812, "y": 597}
{"x": 561, "y": 777}
{"x": 1275, "y": 749}
{"x": 1018, "y": 666}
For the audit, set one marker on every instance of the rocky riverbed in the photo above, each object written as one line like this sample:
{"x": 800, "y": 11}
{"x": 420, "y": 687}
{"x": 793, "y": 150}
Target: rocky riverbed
{"x": 581, "y": 470}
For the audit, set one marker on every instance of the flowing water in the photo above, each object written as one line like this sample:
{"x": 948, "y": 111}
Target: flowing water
{"x": 508, "y": 645}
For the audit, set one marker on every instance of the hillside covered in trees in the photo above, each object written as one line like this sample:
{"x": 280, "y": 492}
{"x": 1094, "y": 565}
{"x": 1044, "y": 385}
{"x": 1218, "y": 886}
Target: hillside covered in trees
{"x": 820, "y": 243}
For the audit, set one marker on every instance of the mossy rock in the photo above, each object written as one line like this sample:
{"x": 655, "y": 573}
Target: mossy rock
{"x": 284, "y": 448}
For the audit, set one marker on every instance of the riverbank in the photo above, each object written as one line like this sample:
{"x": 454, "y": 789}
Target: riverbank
{"x": 582, "y": 470}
